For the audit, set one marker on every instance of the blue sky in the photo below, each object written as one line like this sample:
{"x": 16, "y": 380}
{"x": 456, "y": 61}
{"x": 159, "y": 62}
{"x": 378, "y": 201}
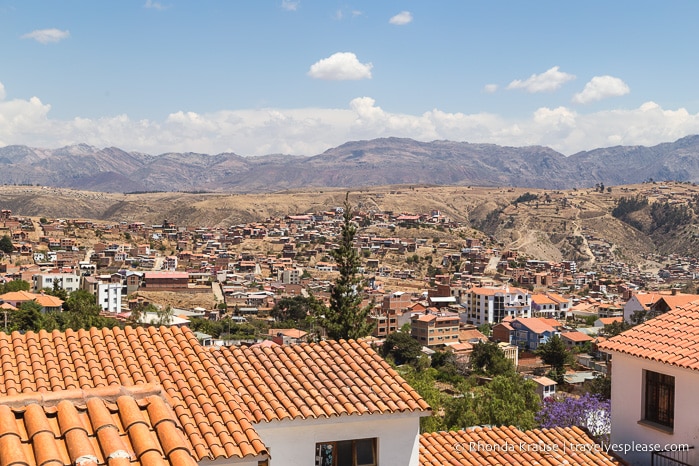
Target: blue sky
{"x": 300, "y": 76}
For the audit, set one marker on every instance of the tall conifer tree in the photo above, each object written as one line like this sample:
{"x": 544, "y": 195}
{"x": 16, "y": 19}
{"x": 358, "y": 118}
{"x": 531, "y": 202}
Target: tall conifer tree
{"x": 346, "y": 318}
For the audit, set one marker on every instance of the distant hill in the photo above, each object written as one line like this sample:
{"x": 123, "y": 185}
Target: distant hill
{"x": 627, "y": 224}
{"x": 377, "y": 162}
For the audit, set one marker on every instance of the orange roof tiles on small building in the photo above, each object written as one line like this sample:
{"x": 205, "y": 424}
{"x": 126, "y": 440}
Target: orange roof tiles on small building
{"x": 541, "y": 298}
{"x": 212, "y": 416}
{"x": 609, "y": 320}
{"x": 576, "y": 336}
{"x": 537, "y": 324}
{"x": 109, "y": 426}
{"x": 312, "y": 381}
{"x": 510, "y": 446}
{"x": 45, "y": 301}
{"x": 671, "y": 338}
{"x": 48, "y": 301}
{"x": 666, "y": 303}
{"x": 18, "y": 296}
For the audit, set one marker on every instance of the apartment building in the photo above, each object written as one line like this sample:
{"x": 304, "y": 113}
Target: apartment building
{"x": 435, "y": 328}
{"x": 490, "y": 305}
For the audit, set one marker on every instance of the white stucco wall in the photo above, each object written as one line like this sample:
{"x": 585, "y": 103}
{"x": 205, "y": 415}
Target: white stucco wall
{"x": 292, "y": 443}
{"x": 627, "y": 408}
{"x": 631, "y": 306}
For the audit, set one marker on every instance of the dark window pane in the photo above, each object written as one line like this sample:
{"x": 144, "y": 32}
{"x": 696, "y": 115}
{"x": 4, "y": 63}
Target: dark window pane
{"x": 365, "y": 452}
{"x": 344, "y": 453}
{"x": 660, "y": 398}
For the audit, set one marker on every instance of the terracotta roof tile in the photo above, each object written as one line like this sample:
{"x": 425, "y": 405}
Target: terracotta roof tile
{"x": 86, "y": 427}
{"x": 509, "y": 445}
{"x": 112, "y": 359}
{"x": 671, "y": 338}
{"x": 316, "y": 380}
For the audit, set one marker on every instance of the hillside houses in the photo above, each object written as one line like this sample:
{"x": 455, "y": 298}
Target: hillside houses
{"x": 258, "y": 263}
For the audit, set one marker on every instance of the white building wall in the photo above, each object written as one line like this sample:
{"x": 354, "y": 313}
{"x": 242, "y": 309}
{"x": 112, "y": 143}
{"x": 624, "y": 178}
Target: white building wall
{"x": 631, "y": 306}
{"x": 627, "y": 408}
{"x": 68, "y": 281}
{"x": 109, "y": 296}
{"x": 292, "y": 443}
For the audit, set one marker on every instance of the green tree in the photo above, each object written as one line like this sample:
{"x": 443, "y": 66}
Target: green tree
{"x": 601, "y": 386}
{"x": 140, "y": 311}
{"x": 346, "y": 318}
{"x": 164, "y": 316}
{"x": 402, "y": 348}
{"x": 6, "y": 245}
{"x": 297, "y": 309}
{"x": 615, "y": 328}
{"x": 16, "y": 285}
{"x": 555, "y": 354}
{"x": 506, "y": 400}
{"x": 424, "y": 383}
{"x": 487, "y": 358}
{"x": 27, "y": 317}
{"x": 486, "y": 329}
{"x": 82, "y": 311}
{"x": 57, "y": 291}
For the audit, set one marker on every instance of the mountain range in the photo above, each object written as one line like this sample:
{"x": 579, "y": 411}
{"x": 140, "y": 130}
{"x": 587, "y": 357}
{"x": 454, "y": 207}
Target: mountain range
{"x": 386, "y": 161}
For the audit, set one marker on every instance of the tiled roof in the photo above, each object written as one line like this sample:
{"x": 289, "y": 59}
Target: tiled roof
{"x": 679, "y": 299}
{"x": 670, "y": 338}
{"x": 646, "y": 299}
{"x": 18, "y": 296}
{"x": 111, "y": 426}
{"x": 576, "y": 336}
{"x": 47, "y": 300}
{"x": 22, "y": 296}
{"x": 610, "y": 320}
{"x": 509, "y": 446}
{"x": 552, "y": 322}
{"x": 541, "y": 298}
{"x": 212, "y": 415}
{"x": 535, "y": 324}
{"x": 331, "y": 378}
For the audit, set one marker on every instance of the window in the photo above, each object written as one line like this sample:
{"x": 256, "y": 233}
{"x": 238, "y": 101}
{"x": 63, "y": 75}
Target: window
{"x": 360, "y": 452}
{"x": 660, "y": 399}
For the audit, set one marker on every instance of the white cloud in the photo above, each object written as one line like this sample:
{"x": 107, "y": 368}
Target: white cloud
{"x": 46, "y": 36}
{"x": 340, "y": 14}
{"x": 2, "y": 92}
{"x": 601, "y": 87}
{"x": 548, "y": 81}
{"x": 490, "y": 88}
{"x": 290, "y": 5}
{"x": 155, "y": 5}
{"x": 402, "y": 18}
{"x": 310, "y": 131}
{"x": 340, "y": 66}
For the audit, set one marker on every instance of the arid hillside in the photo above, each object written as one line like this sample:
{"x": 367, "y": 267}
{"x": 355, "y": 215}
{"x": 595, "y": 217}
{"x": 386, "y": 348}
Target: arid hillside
{"x": 544, "y": 224}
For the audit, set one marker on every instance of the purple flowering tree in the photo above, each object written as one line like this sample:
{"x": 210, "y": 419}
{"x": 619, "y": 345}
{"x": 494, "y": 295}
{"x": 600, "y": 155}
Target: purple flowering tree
{"x": 588, "y": 411}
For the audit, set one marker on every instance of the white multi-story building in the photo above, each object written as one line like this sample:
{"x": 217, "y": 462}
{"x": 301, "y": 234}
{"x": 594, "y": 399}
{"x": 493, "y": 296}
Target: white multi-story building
{"x": 290, "y": 276}
{"x": 489, "y": 305}
{"x": 107, "y": 292}
{"x": 109, "y": 296}
{"x": 67, "y": 281}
